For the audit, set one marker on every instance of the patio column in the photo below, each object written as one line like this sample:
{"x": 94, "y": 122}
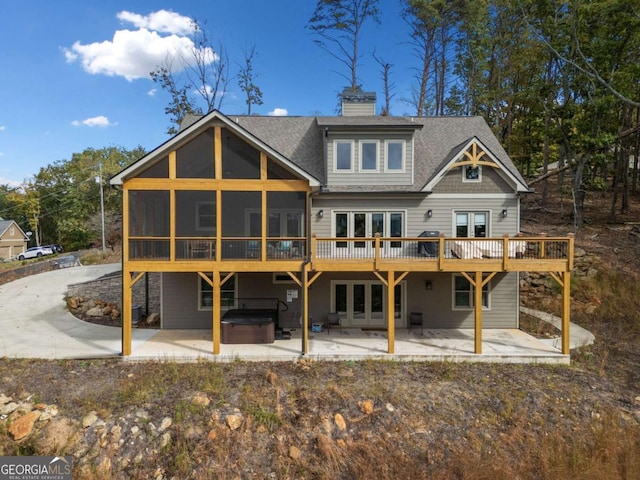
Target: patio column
{"x": 216, "y": 312}
{"x": 126, "y": 313}
{"x": 391, "y": 324}
{"x": 305, "y": 309}
{"x": 477, "y": 303}
{"x": 566, "y": 312}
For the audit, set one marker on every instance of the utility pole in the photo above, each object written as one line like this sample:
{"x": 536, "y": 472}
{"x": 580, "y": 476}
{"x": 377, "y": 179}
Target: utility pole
{"x": 104, "y": 251}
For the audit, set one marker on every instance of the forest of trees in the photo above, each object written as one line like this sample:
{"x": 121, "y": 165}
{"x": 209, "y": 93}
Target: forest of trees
{"x": 557, "y": 81}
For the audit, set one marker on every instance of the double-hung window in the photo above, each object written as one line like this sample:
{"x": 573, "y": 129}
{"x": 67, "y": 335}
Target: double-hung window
{"x": 228, "y": 294}
{"x": 368, "y": 156}
{"x": 343, "y": 156}
{"x": 394, "y": 155}
{"x": 464, "y": 294}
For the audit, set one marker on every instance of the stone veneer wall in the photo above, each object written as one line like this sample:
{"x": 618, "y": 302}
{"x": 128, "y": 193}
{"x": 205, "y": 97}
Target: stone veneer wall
{"x": 109, "y": 289}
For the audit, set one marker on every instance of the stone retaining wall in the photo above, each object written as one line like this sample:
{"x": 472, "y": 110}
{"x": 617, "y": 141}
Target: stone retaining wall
{"x": 109, "y": 289}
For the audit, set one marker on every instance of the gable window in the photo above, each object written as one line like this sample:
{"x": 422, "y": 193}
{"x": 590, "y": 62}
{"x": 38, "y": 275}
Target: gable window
{"x": 368, "y": 156}
{"x": 228, "y": 293}
{"x": 12, "y": 231}
{"x": 471, "y": 224}
{"x": 394, "y": 156}
{"x": 464, "y": 294}
{"x": 344, "y": 156}
{"x": 471, "y": 173}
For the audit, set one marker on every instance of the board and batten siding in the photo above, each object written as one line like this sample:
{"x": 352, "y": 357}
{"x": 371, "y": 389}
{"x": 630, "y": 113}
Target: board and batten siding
{"x": 381, "y": 177}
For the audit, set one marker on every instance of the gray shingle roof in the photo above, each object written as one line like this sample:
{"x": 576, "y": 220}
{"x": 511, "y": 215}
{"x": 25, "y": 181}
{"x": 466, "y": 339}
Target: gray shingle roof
{"x": 437, "y": 139}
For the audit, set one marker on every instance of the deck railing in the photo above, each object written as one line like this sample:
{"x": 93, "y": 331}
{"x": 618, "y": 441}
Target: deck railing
{"x": 513, "y": 250}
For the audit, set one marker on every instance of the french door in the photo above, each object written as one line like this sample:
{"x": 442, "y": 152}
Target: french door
{"x": 368, "y": 224}
{"x": 363, "y": 303}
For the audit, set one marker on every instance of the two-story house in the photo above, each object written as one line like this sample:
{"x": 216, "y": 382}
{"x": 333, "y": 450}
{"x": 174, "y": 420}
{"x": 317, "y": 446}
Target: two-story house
{"x": 366, "y": 221}
{"x": 13, "y": 240}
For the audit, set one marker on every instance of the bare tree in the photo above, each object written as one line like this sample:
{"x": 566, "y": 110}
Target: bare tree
{"x": 385, "y": 70}
{"x": 196, "y": 79}
{"x": 338, "y": 23}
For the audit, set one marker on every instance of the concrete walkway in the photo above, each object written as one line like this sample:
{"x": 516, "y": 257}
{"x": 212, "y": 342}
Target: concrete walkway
{"x": 35, "y": 323}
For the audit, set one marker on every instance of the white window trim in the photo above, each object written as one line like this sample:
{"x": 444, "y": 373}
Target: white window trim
{"x": 387, "y": 221}
{"x": 361, "y": 156}
{"x": 471, "y": 293}
{"x": 335, "y": 157}
{"x": 386, "y": 156}
{"x": 471, "y": 180}
{"x": 202, "y": 308}
{"x": 199, "y": 215}
{"x": 454, "y": 225}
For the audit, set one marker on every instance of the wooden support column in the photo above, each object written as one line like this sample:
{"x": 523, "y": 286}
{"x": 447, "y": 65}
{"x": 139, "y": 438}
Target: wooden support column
{"x": 128, "y": 281}
{"x": 305, "y": 309}
{"x": 477, "y": 302}
{"x": 566, "y": 313}
{"x": 216, "y": 312}
{"x": 391, "y": 322}
{"x": 126, "y": 313}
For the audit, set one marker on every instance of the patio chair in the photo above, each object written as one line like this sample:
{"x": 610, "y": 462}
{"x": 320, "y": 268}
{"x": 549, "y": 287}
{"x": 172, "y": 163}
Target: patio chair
{"x": 333, "y": 321}
{"x": 415, "y": 320}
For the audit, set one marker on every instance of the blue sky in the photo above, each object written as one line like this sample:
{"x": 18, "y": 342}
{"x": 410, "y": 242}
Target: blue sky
{"x": 75, "y": 73}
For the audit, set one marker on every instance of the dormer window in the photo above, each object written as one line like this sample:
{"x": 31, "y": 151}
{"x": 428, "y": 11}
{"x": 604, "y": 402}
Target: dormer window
{"x": 394, "y": 150}
{"x": 472, "y": 173}
{"x": 368, "y": 156}
{"x": 343, "y": 156}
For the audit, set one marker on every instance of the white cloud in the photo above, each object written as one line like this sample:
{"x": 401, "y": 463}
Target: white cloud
{"x": 133, "y": 54}
{"x": 99, "y": 121}
{"x": 161, "y": 21}
{"x": 11, "y": 183}
{"x": 152, "y": 92}
{"x": 2, "y": 127}
{"x": 279, "y": 112}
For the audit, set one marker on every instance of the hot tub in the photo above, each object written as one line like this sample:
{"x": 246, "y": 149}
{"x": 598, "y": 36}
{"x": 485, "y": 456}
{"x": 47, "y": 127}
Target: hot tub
{"x": 249, "y": 326}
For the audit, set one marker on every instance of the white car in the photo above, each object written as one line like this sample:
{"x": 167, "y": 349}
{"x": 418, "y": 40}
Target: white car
{"x": 35, "y": 252}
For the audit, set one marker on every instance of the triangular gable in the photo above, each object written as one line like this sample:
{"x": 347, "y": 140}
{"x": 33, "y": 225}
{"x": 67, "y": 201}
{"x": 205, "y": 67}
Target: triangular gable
{"x": 194, "y": 130}
{"x": 473, "y": 153}
{"x": 6, "y": 224}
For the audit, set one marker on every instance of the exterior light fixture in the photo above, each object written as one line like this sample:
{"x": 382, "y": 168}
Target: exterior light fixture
{"x": 504, "y": 213}
{"x": 429, "y": 213}
{"x": 428, "y": 285}
{"x": 320, "y": 213}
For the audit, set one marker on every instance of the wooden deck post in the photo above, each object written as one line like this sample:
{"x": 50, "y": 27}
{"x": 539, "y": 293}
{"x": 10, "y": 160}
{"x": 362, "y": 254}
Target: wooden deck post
{"x": 305, "y": 309}
{"x": 391, "y": 322}
{"x": 566, "y": 312}
{"x": 216, "y": 312}
{"x": 126, "y": 312}
{"x": 477, "y": 302}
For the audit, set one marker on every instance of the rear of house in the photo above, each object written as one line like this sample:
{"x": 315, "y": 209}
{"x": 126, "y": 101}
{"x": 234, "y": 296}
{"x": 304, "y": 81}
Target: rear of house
{"x": 367, "y": 217}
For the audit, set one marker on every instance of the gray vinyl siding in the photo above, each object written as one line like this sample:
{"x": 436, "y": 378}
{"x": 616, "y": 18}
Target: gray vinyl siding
{"x": 180, "y": 299}
{"x": 415, "y": 208}
{"x": 492, "y": 182}
{"x": 180, "y": 302}
{"x": 436, "y": 305}
{"x": 381, "y": 177}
